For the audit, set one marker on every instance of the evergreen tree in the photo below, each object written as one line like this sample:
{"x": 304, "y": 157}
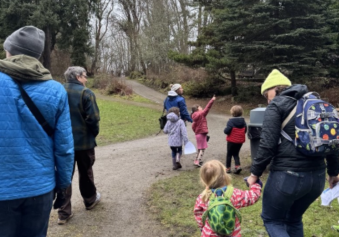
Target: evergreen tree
{"x": 64, "y": 21}
{"x": 291, "y": 35}
{"x": 333, "y": 58}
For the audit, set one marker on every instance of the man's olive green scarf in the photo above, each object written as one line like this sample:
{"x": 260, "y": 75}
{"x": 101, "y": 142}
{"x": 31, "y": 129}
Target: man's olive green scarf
{"x": 24, "y": 68}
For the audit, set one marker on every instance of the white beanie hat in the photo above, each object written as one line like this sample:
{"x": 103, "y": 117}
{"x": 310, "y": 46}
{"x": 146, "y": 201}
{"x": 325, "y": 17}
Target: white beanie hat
{"x": 175, "y": 87}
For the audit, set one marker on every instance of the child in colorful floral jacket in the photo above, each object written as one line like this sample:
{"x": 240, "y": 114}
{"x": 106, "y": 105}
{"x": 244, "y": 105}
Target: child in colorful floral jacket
{"x": 213, "y": 175}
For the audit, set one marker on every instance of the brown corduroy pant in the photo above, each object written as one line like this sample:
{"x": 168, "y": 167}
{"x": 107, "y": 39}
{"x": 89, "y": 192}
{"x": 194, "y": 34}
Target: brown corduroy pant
{"x": 85, "y": 160}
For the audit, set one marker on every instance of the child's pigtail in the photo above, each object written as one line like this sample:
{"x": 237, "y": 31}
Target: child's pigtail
{"x": 206, "y": 194}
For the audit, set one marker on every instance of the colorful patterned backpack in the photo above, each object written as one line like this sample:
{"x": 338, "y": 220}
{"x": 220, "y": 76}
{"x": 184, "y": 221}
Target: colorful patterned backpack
{"x": 221, "y": 213}
{"x": 316, "y": 126}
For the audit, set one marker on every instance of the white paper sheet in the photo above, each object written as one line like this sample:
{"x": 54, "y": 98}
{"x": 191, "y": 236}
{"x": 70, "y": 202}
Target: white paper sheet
{"x": 189, "y": 148}
{"x": 329, "y": 194}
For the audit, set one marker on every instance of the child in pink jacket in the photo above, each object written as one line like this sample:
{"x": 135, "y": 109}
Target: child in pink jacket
{"x": 200, "y": 129}
{"x": 213, "y": 175}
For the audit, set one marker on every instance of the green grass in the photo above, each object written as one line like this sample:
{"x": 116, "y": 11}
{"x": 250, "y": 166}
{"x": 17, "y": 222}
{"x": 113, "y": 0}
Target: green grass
{"x": 122, "y": 122}
{"x": 134, "y": 97}
{"x": 172, "y": 201}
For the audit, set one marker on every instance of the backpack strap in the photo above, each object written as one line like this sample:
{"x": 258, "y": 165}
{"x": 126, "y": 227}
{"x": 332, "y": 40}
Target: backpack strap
{"x": 205, "y": 214}
{"x": 228, "y": 194}
{"x": 289, "y": 117}
{"x": 34, "y": 110}
{"x": 284, "y": 123}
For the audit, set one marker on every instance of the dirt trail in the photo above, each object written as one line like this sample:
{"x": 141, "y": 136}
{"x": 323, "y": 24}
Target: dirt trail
{"x": 124, "y": 171}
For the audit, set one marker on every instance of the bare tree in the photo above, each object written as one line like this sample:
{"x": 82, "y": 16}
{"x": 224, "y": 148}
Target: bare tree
{"x": 144, "y": 31}
{"x": 103, "y": 10}
{"x": 133, "y": 12}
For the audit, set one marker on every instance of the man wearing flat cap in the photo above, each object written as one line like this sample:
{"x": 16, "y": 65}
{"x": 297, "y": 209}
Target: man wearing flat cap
{"x": 33, "y": 161}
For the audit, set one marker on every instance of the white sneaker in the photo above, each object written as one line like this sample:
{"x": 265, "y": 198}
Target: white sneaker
{"x": 97, "y": 200}
{"x": 62, "y": 222}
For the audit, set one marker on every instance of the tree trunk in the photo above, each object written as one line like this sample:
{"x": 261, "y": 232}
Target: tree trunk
{"x": 233, "y": 83}
{"x": 46, "y": 54}
{"x": 96, "y": 54}
{"x": 199, "y": 21}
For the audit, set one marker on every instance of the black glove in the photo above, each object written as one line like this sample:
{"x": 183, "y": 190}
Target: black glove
{"x": 60, "y": 195}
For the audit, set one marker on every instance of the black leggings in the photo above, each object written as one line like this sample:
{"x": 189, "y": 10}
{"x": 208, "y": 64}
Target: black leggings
{"x": 175, "y": 150}
{"x": 233, "y": 150}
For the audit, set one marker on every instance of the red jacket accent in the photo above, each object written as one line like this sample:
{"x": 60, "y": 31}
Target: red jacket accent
{"x": 237, "y": 135}
{"x": 199, "y": 119}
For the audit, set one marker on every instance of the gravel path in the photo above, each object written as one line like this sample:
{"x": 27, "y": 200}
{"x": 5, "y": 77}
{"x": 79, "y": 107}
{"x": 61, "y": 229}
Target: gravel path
{"x": 124, "y": 171}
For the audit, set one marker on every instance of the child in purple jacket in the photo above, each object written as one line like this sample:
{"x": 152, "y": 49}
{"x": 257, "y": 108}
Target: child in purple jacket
{"x": 177, "y": 135}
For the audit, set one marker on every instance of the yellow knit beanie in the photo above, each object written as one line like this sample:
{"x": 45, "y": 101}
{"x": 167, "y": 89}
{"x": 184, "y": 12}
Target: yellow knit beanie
{"x": 275, "y": 78}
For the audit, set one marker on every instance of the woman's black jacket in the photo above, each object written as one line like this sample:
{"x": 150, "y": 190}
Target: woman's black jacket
{"x": 284, "y": 156}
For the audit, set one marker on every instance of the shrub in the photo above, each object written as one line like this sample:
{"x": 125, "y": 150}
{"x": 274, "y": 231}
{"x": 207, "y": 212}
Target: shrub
{"x": 111, "y": 85}
{"x": 248, "y": 93}
{"x": 118, "y": 87}
{"x": 136, "y": 75}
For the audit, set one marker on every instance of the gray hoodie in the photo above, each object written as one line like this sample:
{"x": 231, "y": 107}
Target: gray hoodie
{"x": 176, "y": 130}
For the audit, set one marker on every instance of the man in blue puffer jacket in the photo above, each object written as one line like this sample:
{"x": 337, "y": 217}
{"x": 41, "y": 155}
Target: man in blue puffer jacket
{"x": 32, "y": 163}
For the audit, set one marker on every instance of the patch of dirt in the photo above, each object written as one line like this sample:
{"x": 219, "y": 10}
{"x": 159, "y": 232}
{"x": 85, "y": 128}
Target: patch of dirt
{"x": 123, "y": 172}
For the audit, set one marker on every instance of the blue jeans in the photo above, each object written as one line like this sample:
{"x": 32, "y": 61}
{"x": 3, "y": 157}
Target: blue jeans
{"x": 26, "y": 217}
{"x": 287, "y": 195}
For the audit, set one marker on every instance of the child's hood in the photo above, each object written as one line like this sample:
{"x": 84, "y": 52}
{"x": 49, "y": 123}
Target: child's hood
{"x": 238, "y": 122}
{"x": 172, "y": 117}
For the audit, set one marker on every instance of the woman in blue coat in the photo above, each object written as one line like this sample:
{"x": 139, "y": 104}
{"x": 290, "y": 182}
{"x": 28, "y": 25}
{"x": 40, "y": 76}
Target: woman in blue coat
{"x": 175, "y": 99}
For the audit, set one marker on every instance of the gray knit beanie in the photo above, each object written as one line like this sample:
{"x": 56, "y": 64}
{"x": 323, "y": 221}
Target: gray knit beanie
{"x": 27, "y": 40}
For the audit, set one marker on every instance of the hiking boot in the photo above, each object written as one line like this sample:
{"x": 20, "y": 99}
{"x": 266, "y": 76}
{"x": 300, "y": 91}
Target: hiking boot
{"x": 237, "y": 170}
{"x": 196, "y": 163}
{"x": 178, "y": 165}
{"x": 64, "y": 221}
{"x": 175, "y": 167}
{"x": 201, "y": 162}
{"x": 228, "y": 170}
{"x": 97, "y": 200}
{"x": 335, "y": 227}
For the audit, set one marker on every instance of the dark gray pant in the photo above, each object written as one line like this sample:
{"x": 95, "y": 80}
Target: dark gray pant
{"x": 85, "y": 160}
{"x": 233, "y": 150}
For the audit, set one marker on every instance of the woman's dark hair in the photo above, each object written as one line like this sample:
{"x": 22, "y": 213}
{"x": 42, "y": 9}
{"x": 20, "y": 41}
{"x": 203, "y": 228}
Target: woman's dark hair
{"x": 280, "y": 89}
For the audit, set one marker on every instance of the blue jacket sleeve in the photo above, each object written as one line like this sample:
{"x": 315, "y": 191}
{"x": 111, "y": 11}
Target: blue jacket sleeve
{"x": 228, "y": 128}
{"x": 183, "y": 111}
{"x": 63, "y": 145}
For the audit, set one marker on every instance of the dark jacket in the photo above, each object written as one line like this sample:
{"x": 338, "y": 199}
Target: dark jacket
{"x": 235, "y": 130}
{"x": 284, "y": 156}
{"x": 175, "y": 100}
{"x": 84, "y": 115}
